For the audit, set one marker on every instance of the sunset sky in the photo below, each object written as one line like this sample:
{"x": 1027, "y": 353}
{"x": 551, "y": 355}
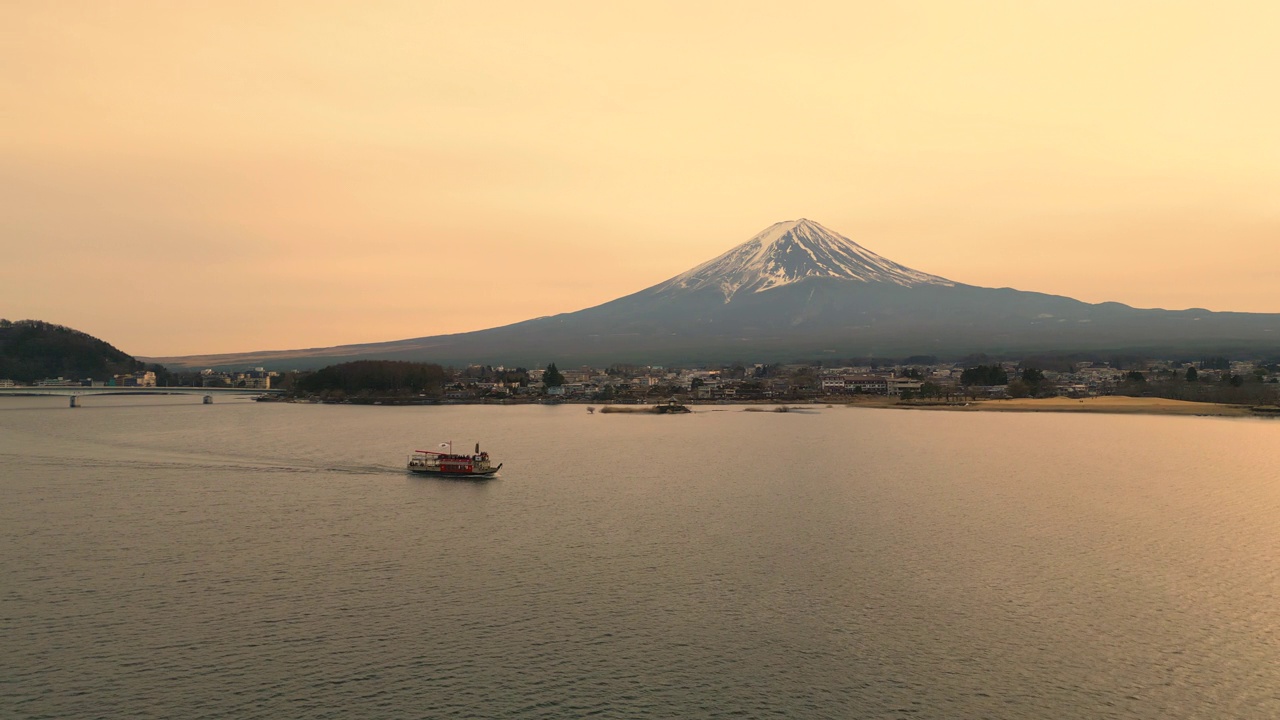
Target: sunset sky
{"x": 200, "y": 177}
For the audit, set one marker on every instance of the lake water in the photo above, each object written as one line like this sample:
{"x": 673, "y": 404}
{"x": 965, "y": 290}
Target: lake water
{"x": 162, "y": 558}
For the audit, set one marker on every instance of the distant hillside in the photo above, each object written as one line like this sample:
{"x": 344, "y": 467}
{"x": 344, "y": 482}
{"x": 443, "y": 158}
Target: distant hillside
{"x": 32, "y": 350}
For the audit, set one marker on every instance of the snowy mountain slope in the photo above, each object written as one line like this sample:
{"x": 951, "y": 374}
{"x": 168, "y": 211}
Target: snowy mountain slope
{"x": 792, "y": 251}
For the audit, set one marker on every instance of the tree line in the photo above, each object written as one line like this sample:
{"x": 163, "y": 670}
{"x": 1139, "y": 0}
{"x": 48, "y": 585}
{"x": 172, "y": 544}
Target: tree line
{"x": 384, "y": 377}
{"x": 32, "y": 350}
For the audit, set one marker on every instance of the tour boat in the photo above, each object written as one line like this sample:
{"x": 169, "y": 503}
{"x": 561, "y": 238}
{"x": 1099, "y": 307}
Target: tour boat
{"x": 448, "y": 464}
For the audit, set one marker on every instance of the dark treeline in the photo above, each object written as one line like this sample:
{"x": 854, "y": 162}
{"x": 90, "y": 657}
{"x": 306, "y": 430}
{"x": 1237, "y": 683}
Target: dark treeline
{"x": 1231, "y": 389}
{"x": 384, "y": 377}
{"x": 984, "y": 375}
{"x": 32, "y": 350}
{"x": 488, "y": 373}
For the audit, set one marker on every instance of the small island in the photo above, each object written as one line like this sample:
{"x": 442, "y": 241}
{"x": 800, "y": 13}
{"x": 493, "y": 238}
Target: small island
{"x": 670, "y": 407}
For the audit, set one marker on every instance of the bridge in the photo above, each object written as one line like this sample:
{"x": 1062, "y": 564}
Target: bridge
{"x": 75, "y": 392}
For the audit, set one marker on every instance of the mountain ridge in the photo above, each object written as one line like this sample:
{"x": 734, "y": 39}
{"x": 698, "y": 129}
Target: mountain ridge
{"x": 795, "y": 290}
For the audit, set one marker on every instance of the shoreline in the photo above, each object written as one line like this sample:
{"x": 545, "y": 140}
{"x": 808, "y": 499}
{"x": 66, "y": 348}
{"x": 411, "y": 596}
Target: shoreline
{"x": 1113, "y": 404}
{"x": 1104, "y": 404}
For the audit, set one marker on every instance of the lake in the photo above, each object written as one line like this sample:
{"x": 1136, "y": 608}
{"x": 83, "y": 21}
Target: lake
{"x": 163, "y": 558}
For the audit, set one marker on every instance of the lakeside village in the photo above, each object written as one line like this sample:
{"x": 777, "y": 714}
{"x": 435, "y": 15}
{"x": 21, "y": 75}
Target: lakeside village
{"x": 396, "y": 382}
{"x": 258, "y": 379}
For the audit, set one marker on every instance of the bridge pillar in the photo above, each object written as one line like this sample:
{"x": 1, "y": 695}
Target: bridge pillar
{"x": 73, "y": 401}
{"x": 208, "y": 399}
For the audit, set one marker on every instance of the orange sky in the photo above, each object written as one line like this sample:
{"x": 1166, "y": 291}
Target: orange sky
{"x": 197, "y": 177}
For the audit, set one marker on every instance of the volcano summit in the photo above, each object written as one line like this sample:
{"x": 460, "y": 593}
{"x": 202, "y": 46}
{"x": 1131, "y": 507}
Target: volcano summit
{"x": 800, "y": 290}
{"x": 791, "y": 252}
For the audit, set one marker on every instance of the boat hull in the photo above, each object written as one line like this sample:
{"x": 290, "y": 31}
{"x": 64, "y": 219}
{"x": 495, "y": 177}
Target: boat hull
{"x": 456, "y": 474}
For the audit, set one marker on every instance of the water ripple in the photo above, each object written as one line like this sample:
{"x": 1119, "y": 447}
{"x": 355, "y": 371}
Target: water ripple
{"x": 859, "y": 565}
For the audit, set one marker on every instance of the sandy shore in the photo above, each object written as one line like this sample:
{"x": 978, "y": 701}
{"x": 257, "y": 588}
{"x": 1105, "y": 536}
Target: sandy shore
{"x": 1108, "y": 404}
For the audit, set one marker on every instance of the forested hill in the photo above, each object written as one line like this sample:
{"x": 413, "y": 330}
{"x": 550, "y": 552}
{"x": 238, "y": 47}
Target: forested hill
{"x": 32, "y": 350}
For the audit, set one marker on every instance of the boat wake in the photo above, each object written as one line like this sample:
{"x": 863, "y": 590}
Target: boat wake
{"x": 206, "y": 464}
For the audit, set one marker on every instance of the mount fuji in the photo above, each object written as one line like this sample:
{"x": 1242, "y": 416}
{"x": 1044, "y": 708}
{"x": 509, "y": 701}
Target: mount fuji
{"x": 791, "y": 252}
{"x": 800, "y": 290}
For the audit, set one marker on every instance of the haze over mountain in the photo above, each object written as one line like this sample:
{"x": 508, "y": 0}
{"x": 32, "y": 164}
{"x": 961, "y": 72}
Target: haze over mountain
{"x": 800, "y": 290}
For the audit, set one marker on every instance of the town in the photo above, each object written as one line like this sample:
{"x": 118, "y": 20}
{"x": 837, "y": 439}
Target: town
{"x": 907, "y": 382}
{"x": 925, "y": 381}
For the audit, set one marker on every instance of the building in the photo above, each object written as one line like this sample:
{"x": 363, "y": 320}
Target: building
{"x": 138, "y": 379}
{"x": 581, "y": 375}
{"x": 209, "y": 378}
{"x": 873, "y": 384}
{"x": 257, "y": 378}
{"x": 896, "y": 386}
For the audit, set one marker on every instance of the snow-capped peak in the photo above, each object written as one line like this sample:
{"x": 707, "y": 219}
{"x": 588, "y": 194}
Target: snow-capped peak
{"x": 792, "y": 251}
